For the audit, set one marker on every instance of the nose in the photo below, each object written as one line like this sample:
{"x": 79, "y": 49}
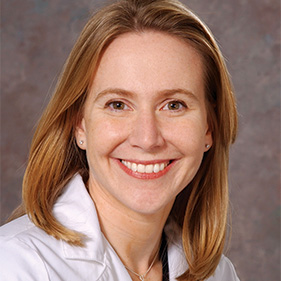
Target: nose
{"x": 146, "y": 132}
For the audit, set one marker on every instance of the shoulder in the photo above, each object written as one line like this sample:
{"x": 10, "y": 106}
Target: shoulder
{"x": 19, "y": 255}
{"x": 22, "y": 231}
{"x": 177, "y": 261}
{"x": 15, "y": 227}
{"x": 224, "y": 271}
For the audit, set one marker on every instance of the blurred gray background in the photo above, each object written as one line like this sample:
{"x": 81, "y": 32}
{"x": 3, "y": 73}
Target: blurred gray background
{"x": 36, "y": 39}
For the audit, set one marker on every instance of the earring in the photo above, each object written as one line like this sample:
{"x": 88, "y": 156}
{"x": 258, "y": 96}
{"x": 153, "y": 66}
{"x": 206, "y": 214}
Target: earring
{"x": 207, "y": 146}
{"x": 81, "y": 142}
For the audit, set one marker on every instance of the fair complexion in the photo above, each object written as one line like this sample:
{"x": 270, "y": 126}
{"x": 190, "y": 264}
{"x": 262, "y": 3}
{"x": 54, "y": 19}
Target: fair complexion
{"x": 144, "y": 129}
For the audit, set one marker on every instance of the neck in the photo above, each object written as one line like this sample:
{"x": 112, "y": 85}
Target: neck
{"x": 136, "y": 237}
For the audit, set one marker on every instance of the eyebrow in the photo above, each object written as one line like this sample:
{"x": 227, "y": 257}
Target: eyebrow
{"x": 129, "y": 94}
{"x": 116, "y": 91}
{"x": 186, "y": 92}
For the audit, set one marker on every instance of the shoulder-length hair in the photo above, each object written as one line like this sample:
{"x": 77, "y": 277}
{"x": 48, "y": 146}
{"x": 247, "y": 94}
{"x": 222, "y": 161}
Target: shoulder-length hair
{"x": 201, "y": 208}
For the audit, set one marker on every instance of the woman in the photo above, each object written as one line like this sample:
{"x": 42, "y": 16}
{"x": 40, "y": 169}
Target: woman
{"x": 127, "y": 175}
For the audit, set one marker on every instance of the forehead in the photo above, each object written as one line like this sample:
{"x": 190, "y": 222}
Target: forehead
{"x": 151, "y": 60}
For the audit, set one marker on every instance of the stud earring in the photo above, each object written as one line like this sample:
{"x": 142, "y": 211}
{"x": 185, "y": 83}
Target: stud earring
{"x": 207, "y": 146}
{"x": 81, "y": 142}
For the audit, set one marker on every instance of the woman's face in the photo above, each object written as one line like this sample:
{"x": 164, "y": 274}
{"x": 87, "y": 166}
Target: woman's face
{"x": 145, "y": 125}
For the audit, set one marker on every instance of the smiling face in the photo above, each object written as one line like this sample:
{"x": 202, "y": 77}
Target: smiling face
{"x": 145, "y": 124}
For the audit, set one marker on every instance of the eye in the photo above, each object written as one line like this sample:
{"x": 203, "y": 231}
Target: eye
{"x": 117, "y": 105}
{"x": 174, "y": 105}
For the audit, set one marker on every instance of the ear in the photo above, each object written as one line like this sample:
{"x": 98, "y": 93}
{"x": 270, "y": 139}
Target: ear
{"x": 208, "y": 139}
{"x": 80, "y": 134}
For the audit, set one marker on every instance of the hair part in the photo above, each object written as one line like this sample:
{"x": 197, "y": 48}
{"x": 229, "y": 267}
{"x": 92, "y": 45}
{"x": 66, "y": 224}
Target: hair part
{"x": 201, "y": 208}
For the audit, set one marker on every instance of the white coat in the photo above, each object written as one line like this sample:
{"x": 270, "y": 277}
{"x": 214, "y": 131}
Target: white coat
{"x": 28, "y": 253}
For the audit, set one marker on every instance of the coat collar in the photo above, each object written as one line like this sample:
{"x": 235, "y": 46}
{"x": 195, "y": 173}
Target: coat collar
{"x": 76, "y": 210}
{"x": 176, "y": 256}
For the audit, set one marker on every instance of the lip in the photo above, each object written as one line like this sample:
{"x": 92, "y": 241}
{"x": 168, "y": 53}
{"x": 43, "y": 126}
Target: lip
{"x": 146, "y": 176}
{"x": 147, "y": 162}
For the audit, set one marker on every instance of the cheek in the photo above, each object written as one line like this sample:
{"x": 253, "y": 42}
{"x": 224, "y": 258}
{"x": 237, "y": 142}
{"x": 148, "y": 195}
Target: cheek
{"x": 103, "y": 134}
{"x": 187, "y": 134}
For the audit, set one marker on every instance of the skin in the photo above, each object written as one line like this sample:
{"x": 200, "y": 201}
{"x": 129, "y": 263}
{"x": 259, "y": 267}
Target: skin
{"x": 146, "y": 106}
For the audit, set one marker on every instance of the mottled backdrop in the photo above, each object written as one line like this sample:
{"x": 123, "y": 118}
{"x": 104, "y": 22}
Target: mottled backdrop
{"x": 36, "y": 38}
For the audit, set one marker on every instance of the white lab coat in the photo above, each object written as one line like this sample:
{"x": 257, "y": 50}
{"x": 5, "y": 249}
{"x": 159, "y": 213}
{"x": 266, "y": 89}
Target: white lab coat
{"x": 28, "y": 253}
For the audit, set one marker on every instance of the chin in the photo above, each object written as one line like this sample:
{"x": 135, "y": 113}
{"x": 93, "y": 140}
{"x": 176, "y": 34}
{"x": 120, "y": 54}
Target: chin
{"x": 147, "y": 207}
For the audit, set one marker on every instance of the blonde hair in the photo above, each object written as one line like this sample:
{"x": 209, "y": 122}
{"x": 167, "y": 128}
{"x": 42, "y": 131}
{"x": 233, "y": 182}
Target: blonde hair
{"x": 201, "y": 208}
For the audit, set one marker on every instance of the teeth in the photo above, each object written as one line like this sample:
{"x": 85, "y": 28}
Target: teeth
{"x": 134, "y": 167}
{"x": 156, "y": 168}
{"x": 148, "y": 169}
{"x": 141, "y": 168}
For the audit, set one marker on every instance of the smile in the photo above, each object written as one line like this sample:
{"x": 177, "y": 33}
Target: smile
{"x": 145, "y": 169}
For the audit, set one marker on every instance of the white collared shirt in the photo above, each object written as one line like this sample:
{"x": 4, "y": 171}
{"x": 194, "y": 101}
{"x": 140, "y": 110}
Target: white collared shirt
{"x": 28, "y": 253}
